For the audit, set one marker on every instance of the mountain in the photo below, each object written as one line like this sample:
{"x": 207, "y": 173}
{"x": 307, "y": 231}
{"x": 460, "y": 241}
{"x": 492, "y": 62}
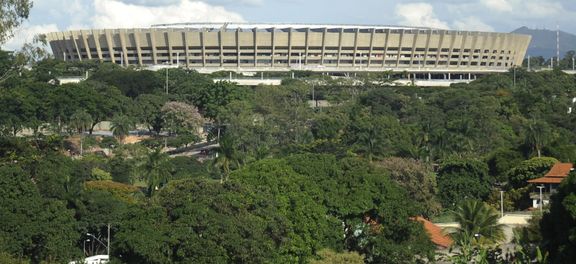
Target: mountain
{"x": 544, "y": 42}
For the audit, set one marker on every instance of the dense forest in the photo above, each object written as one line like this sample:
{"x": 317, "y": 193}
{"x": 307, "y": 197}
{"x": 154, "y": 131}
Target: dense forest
{"x": 290, "y": 180}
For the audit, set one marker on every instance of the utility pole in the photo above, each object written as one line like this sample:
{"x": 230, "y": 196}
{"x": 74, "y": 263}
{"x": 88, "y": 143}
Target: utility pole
{"x": 502, "y": 203}
{"x": 557, "y": 45}
{"x": 108, "y": 241}
{"x": 541, "y": 201}
{"x": 528, "y": 62}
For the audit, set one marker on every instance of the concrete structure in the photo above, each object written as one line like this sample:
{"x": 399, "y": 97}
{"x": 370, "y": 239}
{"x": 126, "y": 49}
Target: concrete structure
{"x": 209, "y": 47}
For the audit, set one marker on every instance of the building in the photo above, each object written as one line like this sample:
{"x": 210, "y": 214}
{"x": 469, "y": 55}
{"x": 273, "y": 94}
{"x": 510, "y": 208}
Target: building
{"x": 209, "y": 47}
{"x": 548, "y": 184}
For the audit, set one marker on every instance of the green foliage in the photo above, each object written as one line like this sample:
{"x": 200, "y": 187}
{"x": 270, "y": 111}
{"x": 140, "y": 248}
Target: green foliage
{"x": 478, "y": 224}
{"x": 328, "y": 256}
{"x": 418, "y": 180}
{"x": 25, "y": 215}
{"x": 13, "y": 13}
{"x": 461, "y": 179}
{"x": 529, "y": 169}
{"x": 558, "y": 226}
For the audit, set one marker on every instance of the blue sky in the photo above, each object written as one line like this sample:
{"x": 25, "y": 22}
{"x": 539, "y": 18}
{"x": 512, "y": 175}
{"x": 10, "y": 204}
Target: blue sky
{"x": 483, "y": 15}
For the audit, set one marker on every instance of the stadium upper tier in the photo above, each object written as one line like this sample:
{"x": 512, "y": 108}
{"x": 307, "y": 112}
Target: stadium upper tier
{"x": 281, "y": 47}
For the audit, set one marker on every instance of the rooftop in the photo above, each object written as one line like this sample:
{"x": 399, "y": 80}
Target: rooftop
{"x": 556, "y": 174}
{"x": 271, "y": 26}
{"x": 436, "y": 234}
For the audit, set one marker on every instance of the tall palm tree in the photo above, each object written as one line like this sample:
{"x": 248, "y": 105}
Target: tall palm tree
{"x": 226, "y": 157}
{"x": 121, "y": 126}
{"x": 157, "y": 170}
{"x": 81, "y": 121}
{"x": 478, "y": 224}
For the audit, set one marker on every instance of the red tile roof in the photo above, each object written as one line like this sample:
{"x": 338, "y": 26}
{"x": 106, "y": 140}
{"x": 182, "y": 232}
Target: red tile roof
{"x": 559, "y": 170}
{"x": 556, "y": 174}
{"x": 436, "y": 235}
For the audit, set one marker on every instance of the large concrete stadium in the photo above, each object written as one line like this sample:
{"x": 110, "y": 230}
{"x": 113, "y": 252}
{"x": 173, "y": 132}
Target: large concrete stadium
{"x": 209, "y": 47}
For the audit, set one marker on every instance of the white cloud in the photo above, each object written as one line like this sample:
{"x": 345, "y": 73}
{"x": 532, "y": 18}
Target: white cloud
{"x": 498, "y": 5}
{"x": 419, "y": 15}
{"x": 116, "y": 14}
{"x": 472, "y": 23}
{"x": 26, "y": 33}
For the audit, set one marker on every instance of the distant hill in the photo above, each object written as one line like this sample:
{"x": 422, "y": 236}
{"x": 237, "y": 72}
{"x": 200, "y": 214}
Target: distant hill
{"x": 544, "y": 42}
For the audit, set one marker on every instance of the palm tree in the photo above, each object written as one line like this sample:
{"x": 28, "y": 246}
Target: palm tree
{"x": 81, "y": 121}
{"x": 226, "y": 156}
{"x": 478, "y": 224}
{"x": 157, "y": 170}
{"x": 538, "y": 134}
{"x": 121, "y": 126}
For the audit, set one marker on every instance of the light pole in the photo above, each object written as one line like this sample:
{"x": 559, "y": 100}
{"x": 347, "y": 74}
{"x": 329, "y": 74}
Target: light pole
{"x": 541, "y": 202}
{"x": 502, "y": 203}
{"x": 107, "y": 241}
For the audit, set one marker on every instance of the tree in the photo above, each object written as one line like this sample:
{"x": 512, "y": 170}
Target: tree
{"x": 559, "y": 225}
{"x": 25, "y": 215}
{"x": 478, "y": 224}
{"x": 181, "y": 118}
{"x": 149, "y": 112}
{"x": 226, "y": 223}
{"x": 529, "y": 169}
{"x": 418, "y": 179}
{"x": 328, "y": 256}
{"x": 81, "y": 121}
{"x": 460, "y": 179}
{"x": 121, "y": 126}
{"x": 13, "y": 13}
{"x": 227, "y": 157}
{"x": 156, "y": 170}
{"x": 538, "y": 135}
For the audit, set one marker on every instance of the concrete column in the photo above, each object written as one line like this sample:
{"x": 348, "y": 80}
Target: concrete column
{"x": 153, "y": 46}
{"x": 428, "y": 37}
{"x": 339, "y": 47}
{"x": 402, "y": 32}
{"x": 186, "y": 48}
{"x": 138, "y": 47}
{"x": 122, "y": 35}
{"x": 221, "y": 48}
{"x": 86, "y": 46}
{"x": 371, "y": 47}
{"x": 355, "y": 47}
{"x": 96, "y": 36}
{"x": 387, "y": 37}
{"x": 255, "y": 32}
{"x": 462, "y": 47}
{"x": 323, "y": 46}
{"x": 203, "y": 43}
{"x": 110, "y": 45}
{"x": 441, "y": 44}
{"x": 272, "y": 56}
{"x": 290, "y": 48}
{"x": 73, "y": 38}
{"x": 473, "y": 48}
{"x": 306, "y": 46}
{"x": 413, "y": 54}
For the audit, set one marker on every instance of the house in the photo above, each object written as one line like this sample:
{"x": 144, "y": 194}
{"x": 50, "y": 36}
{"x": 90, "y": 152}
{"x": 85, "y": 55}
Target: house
{"x": 437, "y": 236}
{"x": 548, "y": 184}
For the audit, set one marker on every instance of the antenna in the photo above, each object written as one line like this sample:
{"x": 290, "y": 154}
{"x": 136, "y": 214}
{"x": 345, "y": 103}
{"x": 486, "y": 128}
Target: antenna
{"x": 558, "y": 45}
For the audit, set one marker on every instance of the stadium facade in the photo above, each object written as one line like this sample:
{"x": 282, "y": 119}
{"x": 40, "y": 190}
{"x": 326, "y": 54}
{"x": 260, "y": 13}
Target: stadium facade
{"x": 209, "y": 47}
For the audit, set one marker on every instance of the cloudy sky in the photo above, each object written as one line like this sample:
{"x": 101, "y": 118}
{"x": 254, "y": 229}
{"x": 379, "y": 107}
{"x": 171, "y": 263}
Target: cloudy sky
{"x": 484, "y": 15}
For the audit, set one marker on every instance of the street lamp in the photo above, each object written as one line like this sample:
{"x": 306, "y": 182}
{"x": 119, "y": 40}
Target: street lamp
{"x": 107, "y": 241}
{"x": 541, "y": 202}
{"x": 502, "y": 203}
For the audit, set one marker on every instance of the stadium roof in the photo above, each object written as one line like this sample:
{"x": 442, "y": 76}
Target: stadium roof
{"x": 269, "y": 26}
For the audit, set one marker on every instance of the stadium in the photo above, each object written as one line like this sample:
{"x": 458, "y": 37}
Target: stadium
{"x": 243, "y": 47}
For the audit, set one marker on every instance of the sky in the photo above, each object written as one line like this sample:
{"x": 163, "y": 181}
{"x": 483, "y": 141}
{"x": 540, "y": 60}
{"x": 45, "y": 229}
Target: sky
{"x": 482, "y": 15}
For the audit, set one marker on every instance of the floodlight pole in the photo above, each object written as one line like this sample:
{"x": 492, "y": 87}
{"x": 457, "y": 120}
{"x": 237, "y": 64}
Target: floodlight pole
{"x": 541, "y": 201}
